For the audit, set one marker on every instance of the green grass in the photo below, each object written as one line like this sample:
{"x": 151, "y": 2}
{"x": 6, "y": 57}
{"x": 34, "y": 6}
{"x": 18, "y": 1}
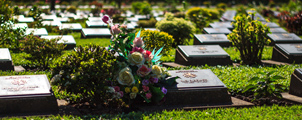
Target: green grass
{"x": 253, "y": 113}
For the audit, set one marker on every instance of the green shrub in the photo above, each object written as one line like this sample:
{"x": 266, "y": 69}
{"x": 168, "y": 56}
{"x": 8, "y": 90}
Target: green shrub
{"x": 200, "y": 17}
{"x": 207, "y": 3}
{"x": 249, "y": 37}
{"x": 180, "y": 29}
{"x": 180, "y": 15}
{"x": 72, "y": 9}
{"x": 85, "y": 73}
{"x": 221, "y": 5}
{"x": 155, "y": 40}
{"x": 35, "y": 12}
{"x": 241, "y": 9}
{"x": 5, "y": 11}
{"x": 42, "y": 52}
{"x": 9, "y": 37}
{"x": 147, "y": 23}
{"x": 143, "y": 8}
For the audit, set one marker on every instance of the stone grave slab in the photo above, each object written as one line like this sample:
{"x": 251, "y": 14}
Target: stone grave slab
{"x": 95, "y": 33}
{"x": 62, "y": 20}
{"x": 130, "y": 26}
{"x": 94, "y": 19}
{"x": 257, "y": 16}
{"x": 217, "y": 31}
{"x": 159, "y": 18}
{"x": 6, "y": 62}
{"x": 132, "y": 19}
{"x": 228, "y": 15}
{"x": 68, "y": 40}
{"x": 284, "y": 38}
{"x": 201, "y": 54}
{"x": 26, "y": 20}
{"x": 36, "y": 31}
{"x": 68, "y": 15}
{"x": 23, "y": 94}
{"x": 289, "y": 53}
{"x": 52, "y": 23}
{"x": 141, "y": 17}
{"x": 96, "y": 24}
{"x": 212, "y": 39}
{"x": 278, "y": 30}
{"x": 72, "y": 26}
{"x": 295, "y": 87}
{"x": 134, "y": 24}
{"x": 271, "y": 24}
{"x": 222, "y": 25}
{"x": 20, "y": 25}
{"x": 151, "y": 29}
{"x": 49, "y": 17}
{"x": 196, "y": 87}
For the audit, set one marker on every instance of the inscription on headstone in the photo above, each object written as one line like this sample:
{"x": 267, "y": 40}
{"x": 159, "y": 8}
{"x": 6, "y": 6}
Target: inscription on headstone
{"x": 26, "y": 94}
{"x": 197, "y": 87}
{"x": 212, "y": 39}
{"x": 284, "y": 38}
{"x": 217, "y": 30}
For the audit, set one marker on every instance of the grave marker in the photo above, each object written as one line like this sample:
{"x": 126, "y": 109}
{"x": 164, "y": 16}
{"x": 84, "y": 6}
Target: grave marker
{"x": 212, "y": 39}
{"x": 68, "y": 40}
{"x": 26, "y": 20}
{"x": 222, "y": 25}
{"x": 72, "y": 26}
{"x": 95, "y": 33}
{"x": 217, "y": 31}
{"x": 96, "y": 24}
{"x": 289, "y": 53}
{"x": 271, "y": 24}
{"x": 295, "y": 87}
{"x": 278, "y": 30}
{"x": 23, "y": 94}
{"x": 202, "y": 54}
{"x": 197, "y": 87}
{"x": 284, "y": 38}
{"x": 36, "y": 31}
{"x": 6, "y": 62}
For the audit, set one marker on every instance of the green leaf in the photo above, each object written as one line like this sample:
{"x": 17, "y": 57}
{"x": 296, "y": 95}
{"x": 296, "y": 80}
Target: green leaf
{"x": 254, "y": 79}
{"x": 249, "y": 88}
{"x": 147, "y": 100}
{"x": 277, "y": 77}
{"x": 157, "y": 94}
{"x": 139, "y": 33}
{"x": 172, "y": 80}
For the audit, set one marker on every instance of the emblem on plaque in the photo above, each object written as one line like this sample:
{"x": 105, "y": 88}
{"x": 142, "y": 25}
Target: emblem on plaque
{"x": 286, "y": 36}
{"x": 202, "y": 48}
{"x": 189, "y": 75}
{"x": 299, "y": 47}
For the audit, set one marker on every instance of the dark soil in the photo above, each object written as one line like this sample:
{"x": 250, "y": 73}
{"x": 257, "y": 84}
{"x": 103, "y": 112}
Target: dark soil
{"x": 266, "y": 101}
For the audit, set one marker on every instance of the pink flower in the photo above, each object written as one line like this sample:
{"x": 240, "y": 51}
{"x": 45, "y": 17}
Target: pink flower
{"x": 148, "y": 95}
{"x": 121, "y": 93}
{"x": 145, "y": 88}
{"x": 148, "y": 55}
{"x": 105, "y": 19}
{"x": 117, "y": 88}
{"x": 145, "y": 82}
{"x": 138, "y": 42}
{"x": 124, "y": 26}
{"x": 137, "y": 49}
{"x": 115, "y": 29}
{"x": 143, "y": 70}
{"x": 153, "y": 80}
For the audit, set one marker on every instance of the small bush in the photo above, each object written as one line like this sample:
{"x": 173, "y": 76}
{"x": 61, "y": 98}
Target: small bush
{"x": 143, "y": 8}
{"x": 249, "y": 37}
{"x": 35, "y": 12}
{"x": 221, "y": 5}
{"x": 180, "y": 29}
{"x": 42, "y": 52}
{"x": 180, "y": 15}
{"x": 147, "y": 23}
{"x": 84, "y": 73}
{"x": 72, "y": 9}
{"x": 200, "y": 17}
{"x": 155, "y": 39}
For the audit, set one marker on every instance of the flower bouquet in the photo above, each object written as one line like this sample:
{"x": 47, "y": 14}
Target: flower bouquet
{"x": 138, "y": 72}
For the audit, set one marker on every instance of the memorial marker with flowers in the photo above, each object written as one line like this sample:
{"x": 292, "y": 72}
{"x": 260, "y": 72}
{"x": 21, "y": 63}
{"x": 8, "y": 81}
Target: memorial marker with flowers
{"x": 138, "y": 72}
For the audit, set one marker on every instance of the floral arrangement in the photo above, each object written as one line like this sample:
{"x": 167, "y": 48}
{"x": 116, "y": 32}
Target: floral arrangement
{"x": 138, "y": 72}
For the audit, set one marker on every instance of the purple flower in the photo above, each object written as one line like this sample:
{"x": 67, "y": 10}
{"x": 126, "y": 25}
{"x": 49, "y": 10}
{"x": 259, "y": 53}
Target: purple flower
{"x": 105, "y": 19}
{"x": 145, "y": 82}
{"x": 164, "y": 90}
{"x": 153, "y": 80}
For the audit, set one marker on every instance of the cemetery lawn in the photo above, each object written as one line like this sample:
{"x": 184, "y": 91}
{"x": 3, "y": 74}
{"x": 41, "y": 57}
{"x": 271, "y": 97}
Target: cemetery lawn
{"x": 263, "y": 112}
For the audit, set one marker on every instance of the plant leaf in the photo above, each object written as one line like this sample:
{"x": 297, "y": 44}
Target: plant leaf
{"x": 254, "y": 79}
{"x": 157, "y": 94}
{"x": 156, "y": 56}
{"x": 139, "y": 33}
{"x": 277, "y": 77}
